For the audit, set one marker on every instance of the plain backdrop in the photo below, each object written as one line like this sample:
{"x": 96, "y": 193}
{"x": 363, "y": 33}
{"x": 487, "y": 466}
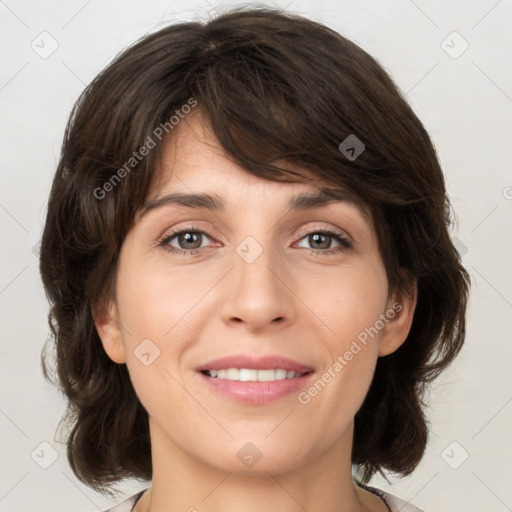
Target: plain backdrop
{"x": 451, "y": 59}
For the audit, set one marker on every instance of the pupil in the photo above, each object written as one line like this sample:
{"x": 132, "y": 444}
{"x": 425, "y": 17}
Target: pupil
{"x": 317, "y": 239}
{"x": 188, "y": 238}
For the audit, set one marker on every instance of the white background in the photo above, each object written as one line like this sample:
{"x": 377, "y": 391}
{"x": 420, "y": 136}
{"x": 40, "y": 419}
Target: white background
{"x": 466, "y": 105}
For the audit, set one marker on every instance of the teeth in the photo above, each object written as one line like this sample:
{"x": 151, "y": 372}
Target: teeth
{"x": 232, "y": 374}
{"x": 251, "y": 375}
{"x": 280, "y": 374}
{"x": 266, "y": 375}
{"x": 245, "y": 375}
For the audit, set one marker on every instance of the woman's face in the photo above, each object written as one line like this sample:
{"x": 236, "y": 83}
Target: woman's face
{"x": 262, "y": 285}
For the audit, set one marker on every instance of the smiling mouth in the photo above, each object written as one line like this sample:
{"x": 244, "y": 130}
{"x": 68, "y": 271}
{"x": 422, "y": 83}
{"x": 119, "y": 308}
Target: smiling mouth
{"x": 253, "y": 375}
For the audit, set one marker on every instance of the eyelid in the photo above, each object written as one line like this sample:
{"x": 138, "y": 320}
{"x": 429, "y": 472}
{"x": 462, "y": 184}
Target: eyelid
{"x": 189, "y": 227}
{"x": 344, "y": 239}
{"x": 302, "y": 232}
{"x": 327, "y": 229}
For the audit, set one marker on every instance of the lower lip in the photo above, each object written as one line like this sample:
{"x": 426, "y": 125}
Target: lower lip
{"x": 254, "y": 393}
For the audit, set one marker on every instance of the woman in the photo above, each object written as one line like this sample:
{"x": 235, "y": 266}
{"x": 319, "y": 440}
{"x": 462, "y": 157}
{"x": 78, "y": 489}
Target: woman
{"x": 250, "y": 271}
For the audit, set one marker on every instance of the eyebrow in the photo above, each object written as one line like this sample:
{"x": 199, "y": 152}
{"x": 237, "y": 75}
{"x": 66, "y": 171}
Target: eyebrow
{"x": 214, "y": 202}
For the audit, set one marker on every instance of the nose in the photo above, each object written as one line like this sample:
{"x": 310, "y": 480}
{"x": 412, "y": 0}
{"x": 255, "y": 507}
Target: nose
{"x": 257, "y": 293}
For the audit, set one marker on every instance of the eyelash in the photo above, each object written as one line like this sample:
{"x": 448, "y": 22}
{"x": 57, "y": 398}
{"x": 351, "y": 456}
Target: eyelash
{"x": 164, "y": 242}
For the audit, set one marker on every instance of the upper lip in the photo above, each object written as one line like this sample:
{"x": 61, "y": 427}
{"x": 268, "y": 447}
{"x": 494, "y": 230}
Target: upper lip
{"x": 267, "y": 362}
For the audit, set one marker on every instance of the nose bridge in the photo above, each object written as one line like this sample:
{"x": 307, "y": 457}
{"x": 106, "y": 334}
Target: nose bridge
{"x": 257, "y": 295}
{"x": 254, "y": 264}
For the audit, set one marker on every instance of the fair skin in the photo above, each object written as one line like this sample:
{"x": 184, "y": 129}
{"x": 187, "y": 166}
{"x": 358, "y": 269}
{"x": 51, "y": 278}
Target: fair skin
{"x": 303, "y": 299}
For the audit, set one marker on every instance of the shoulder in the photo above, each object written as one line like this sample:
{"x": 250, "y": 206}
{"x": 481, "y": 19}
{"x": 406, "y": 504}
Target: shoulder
{"x": 127, "y": 505}
{"x": 394, "y": 504}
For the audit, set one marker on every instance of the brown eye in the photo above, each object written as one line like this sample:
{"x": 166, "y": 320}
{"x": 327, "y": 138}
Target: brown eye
{"x": 322, "y": 240}
{"x": 189, "y": 240}
{"x": 186, "y": 241}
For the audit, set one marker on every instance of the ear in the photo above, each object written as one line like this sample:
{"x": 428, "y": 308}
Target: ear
{"x": 399, "y": 315}
{"x": 109, "y": 331}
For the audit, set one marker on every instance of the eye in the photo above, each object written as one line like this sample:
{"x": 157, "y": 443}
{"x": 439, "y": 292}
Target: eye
{"x": 191, "y": 240}
{"x": 184, "y": 241}
{"x": 321, "y": 240}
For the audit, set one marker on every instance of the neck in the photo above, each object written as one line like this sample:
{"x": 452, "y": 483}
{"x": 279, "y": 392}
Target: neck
{"x": 185, "y": 483}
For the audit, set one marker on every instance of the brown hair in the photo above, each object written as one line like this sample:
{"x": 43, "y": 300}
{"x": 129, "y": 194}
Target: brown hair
{"x": 273, "y": 86}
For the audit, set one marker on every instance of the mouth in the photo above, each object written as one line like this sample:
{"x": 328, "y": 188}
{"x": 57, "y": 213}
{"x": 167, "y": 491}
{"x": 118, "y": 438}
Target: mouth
{"x": 253, "y": 375}
{"x": 250, "y": 380}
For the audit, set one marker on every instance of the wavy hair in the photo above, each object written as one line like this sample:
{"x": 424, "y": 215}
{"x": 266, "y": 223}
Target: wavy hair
{"x": 273, "y": 85}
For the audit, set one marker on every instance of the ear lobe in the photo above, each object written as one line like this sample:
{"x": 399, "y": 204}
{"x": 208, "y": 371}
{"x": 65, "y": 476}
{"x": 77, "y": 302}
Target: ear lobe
{"x": 109, "y": 331}
{"x": 400, "y": 313}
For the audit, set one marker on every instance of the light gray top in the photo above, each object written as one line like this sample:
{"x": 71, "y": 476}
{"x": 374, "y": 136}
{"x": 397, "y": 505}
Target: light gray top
{"x": 393, "y": 503}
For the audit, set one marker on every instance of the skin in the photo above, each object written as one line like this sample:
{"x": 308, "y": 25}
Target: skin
{"x": 294, "y": 300}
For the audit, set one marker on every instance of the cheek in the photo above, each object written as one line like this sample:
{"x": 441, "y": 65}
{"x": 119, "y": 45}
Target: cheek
{"x": 348, "y": 301}
{"x": 349, "y": 304}
{"x": 159, "y": 310}
{"x": 154, "y": 300}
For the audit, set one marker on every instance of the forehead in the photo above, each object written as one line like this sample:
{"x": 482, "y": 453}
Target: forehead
{"x": 194, "y": 170}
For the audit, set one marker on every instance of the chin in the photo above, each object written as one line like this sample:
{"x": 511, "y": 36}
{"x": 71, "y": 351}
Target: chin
{"x": 257, "y": 457}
